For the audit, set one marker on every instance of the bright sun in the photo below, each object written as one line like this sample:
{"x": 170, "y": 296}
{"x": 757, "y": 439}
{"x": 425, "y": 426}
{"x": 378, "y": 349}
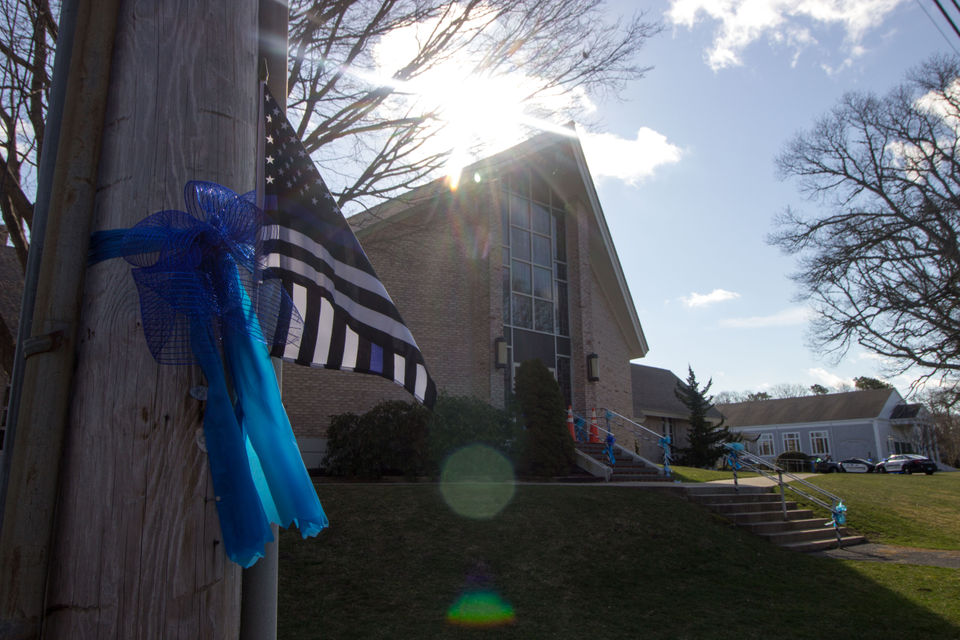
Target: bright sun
{"x": 479, "y": 113}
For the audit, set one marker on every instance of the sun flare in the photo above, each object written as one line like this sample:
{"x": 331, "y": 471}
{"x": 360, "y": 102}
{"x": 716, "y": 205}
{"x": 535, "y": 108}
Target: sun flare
{"x": 477, "y": 112}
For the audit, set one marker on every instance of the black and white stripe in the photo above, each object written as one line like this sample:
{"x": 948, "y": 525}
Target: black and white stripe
{"x": 349, "y": 320}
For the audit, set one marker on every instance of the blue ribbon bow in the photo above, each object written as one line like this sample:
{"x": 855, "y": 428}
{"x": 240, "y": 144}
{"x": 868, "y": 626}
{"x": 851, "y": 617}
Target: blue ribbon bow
{"x": 193, "y": 271}
{"x": 664, "y": 443}
{"x": 609, "y": 449}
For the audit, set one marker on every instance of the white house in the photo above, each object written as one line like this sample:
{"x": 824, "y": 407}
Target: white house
{"x": 864, "y": 424}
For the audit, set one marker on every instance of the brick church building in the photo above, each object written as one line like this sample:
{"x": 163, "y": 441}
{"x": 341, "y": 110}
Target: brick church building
{"x": 515, "y": 263}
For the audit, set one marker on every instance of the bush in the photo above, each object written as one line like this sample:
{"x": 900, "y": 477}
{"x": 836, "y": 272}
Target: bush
{"x": 793, "y": 461}
{"x": 546, "y": 448}
{"x": 390, "y": 439}
{"x": 458, "y": 421}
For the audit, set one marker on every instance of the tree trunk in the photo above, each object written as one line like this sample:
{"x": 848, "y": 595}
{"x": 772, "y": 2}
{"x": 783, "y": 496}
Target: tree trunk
{"x": 137, "y": 550}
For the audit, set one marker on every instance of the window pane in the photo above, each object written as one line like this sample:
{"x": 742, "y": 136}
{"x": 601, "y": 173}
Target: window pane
{"x": 504, "y": 218}
{"x": 520, "y": 243}
{"x": 522, "y": 311}
{"x": 539, "y": 190}
{"x": 506, "y": 295}
{"x": 543, "y": 315}
{"x": 541, "y": 250}
{"x": 521, "y": 277}
{"x": 541, "y": 218}
{"x": 563, "y": 325}
{"x": 561, "y": 271}
{"x": 542, "y": 283}
{"x": 561, "y": 236}
{"x": 563, "y": 377}
{"x": 520, "y": 211}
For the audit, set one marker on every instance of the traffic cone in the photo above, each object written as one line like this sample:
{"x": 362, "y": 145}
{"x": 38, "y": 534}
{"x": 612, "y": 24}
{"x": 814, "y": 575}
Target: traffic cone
{"x": 594, "y": 430}
{"x": 573, "y": 434}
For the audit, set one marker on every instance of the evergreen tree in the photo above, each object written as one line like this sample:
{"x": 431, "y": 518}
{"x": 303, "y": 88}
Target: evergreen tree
{"x": 547, "y": 448}
{"x": 706, "y": 440}
{"x": 865, "y": 383}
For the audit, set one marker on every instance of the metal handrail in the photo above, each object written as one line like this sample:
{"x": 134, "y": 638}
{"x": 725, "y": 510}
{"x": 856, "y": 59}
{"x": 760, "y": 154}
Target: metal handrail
{"x": 641, "y": 431}
{"x": 627, "y": 452}
{"x": 757, "y": 464}
{"x": 634, "y": 426}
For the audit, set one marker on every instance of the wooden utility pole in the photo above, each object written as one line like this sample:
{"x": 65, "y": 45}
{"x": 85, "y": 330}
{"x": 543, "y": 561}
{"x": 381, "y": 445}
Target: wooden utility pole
{"x": 136, "y": 548}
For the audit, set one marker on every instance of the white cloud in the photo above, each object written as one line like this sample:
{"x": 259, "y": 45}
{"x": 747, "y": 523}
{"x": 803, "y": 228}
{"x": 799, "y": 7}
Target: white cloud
{"x": 742, "y": 22}
{"x": 785, "y": 318}
{"x": 629, "y": 160}
{"x": 828, "y": 379}
{"x": 704, "y": 299}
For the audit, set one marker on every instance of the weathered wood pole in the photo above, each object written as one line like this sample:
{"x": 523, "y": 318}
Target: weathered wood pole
{"x": 48, "y": 328}
{"x": 137, "y": 549}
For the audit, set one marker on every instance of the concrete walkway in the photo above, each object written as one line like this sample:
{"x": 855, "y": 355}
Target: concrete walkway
{"x": 872, "y": 552}
{"x": 760, "y": 481}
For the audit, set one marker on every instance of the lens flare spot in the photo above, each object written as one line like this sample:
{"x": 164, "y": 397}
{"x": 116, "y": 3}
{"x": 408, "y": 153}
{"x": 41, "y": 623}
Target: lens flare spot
{"x": 477, "y": 482}
{"x": 480, "y": 609}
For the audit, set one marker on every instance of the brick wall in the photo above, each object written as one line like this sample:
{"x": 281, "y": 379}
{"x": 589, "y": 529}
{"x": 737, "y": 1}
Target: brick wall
{"x": 434, "y": 262}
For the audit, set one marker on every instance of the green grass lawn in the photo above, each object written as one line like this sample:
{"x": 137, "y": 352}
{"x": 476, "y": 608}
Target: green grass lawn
{"x": 908, "y": 510}
{"x": 583, "y": 562}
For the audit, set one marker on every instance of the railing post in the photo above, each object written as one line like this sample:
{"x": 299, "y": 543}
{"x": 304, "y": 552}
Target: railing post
{"x": 783, "y": 494}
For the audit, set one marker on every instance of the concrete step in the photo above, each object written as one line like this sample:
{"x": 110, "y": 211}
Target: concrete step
{"x": 769, "y": 516}
{"x": 745, "y": 507}
{"x": 783, "y": 538}
{"x": 718, "y": 498}
{"x": 811, "y": 546}
{"x": 779, "y": 526}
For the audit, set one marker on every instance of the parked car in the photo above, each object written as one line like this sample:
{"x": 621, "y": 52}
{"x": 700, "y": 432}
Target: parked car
{"x": 907, "y": 463}
{"x": 857, "y": 465}
{"x": 826, "y": 465}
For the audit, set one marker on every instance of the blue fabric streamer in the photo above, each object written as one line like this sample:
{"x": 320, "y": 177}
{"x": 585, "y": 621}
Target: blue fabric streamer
{"x": 193, "y": 270}
{"x": 609, "y": 449}
{"x": 839, "y": 515}
{"x": 664, "y": 443}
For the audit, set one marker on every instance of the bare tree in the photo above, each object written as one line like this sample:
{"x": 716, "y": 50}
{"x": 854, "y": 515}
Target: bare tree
{"x": 357, "y": 118}
{"x": 28, "y": 32}
{"x": 946, "y": 423}
{"x": 357, "y": 121}
{"x": 881, "y": 263}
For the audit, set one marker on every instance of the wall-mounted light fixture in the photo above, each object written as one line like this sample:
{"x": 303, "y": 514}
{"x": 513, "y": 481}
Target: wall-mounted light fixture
{"x": 500, "y": 353}
{"x": 593, "y": 367}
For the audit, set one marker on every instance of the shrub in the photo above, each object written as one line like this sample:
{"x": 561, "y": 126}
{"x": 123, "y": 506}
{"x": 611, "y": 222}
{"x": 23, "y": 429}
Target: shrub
{"x": 390, "y": 439}
{"x": 458, "y": 421}
{"x": 546, "y": 448}
{"x": 793, "y": 461}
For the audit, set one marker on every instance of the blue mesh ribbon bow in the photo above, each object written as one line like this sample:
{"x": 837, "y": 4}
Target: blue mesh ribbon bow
{"x": 664, "y": 443}
{"x": 193, "y": 270}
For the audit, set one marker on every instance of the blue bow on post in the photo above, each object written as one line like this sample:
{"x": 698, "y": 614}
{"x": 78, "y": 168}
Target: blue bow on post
{"x": 664, "y": 443}
{"x": 193, "y": 271}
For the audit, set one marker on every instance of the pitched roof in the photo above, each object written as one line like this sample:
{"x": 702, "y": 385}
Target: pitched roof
{"x": 654, "y": 393}
{"x": 831, "y": 407}
{"x": 571, "y": 178}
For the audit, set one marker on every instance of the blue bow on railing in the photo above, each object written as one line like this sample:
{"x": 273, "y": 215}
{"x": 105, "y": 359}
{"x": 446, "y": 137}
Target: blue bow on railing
{"x": 839, "y": 515}
{"x": 734, "y": 449}
{"x": 664, "y": 443}
{"x": 580, "y": 426}
{"x": 611, "y": 456}
{"x": 195, "y": 272}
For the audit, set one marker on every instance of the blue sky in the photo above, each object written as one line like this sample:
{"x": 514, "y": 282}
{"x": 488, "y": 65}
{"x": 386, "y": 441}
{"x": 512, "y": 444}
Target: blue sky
{"x": 726, "y": 93}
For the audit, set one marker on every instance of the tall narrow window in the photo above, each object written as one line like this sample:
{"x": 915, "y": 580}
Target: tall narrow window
{"x": 765, "y": 445}
{"x": 535, "y": 295}
{"x": 791, "y": 441}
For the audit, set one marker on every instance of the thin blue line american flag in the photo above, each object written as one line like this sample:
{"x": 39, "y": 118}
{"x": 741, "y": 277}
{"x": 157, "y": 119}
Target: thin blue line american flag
{"x": 349, "y": 320}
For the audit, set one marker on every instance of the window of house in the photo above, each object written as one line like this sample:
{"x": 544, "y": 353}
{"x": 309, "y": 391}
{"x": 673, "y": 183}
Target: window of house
{"x": 765, "y": 444}
{"x": 819, "y": 443}
{"x": 791, "y": 441}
